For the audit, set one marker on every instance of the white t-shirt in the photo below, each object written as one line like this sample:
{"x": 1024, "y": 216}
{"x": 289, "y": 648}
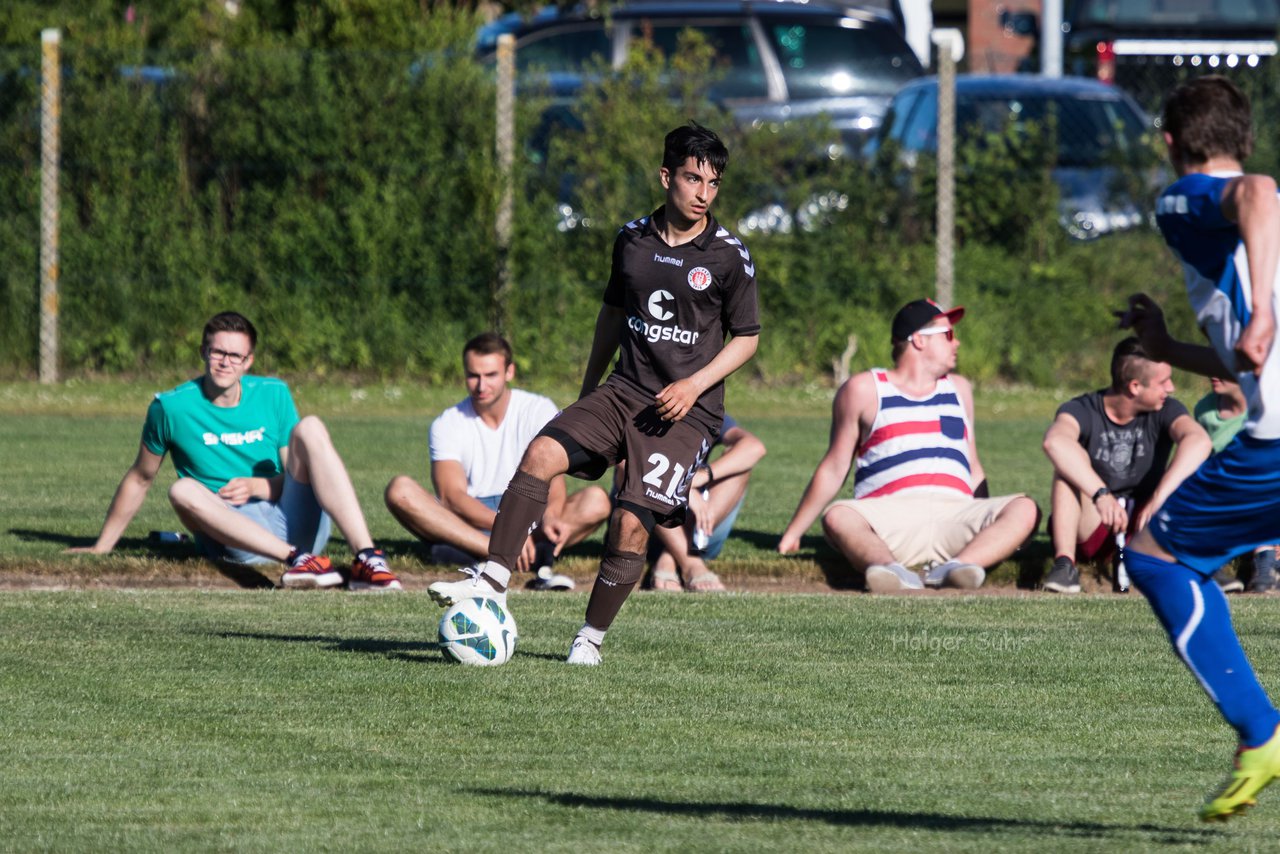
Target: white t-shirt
{"x": 489, "y": 457}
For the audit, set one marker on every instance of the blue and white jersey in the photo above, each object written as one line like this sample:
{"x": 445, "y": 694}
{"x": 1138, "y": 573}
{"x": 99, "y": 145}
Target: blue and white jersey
{"x": 1212, "y": 253}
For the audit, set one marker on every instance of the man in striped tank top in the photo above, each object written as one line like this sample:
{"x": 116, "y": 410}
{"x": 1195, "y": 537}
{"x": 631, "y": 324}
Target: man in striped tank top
{"x": 920, "y": 493}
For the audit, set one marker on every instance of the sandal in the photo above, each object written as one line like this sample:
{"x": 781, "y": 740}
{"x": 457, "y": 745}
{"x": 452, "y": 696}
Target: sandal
{"x": 665, "y": 581}
{"x": 707, "y": 582}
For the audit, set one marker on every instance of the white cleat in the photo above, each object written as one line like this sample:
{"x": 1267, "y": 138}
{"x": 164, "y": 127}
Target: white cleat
{"x": 447, "y": 593}
{"x": 583, "y": 651}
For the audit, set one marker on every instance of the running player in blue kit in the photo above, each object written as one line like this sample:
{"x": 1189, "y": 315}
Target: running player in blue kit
{"x": 1224, "y": 226}
{"x": 680, "y": 285}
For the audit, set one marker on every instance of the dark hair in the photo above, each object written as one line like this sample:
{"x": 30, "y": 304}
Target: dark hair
{"x": 1129, "y": 362}
{"x": 693, "y": 140}
{"x": 230, "y": 321}
{"x": 488, "y": 343}
{"x": 1208, "y": 117}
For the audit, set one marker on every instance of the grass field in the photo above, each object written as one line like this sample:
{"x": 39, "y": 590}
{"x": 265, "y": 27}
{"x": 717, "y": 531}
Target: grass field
{"x": 68, "y": 447}
{"x": 248, "y": 720}
{"x": 258, "y": 721}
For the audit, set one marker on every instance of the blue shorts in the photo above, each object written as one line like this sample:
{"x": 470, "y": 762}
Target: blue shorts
{"x": 297, "y": 519}
{"x": 1228, "y": 507}
{"x": 447, "y": 554}
{"x": 721, "y": 531}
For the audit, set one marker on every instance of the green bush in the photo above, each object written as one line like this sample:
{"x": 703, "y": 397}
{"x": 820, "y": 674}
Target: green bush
{"x": 329, "y": 170}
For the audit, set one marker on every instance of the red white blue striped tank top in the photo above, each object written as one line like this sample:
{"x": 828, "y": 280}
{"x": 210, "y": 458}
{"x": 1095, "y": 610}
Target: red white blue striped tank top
{"x": 915, "y": 444}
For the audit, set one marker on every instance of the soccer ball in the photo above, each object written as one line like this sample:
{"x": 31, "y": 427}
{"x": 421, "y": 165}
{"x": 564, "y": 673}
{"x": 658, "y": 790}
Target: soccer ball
{"x": 478, "y": 631}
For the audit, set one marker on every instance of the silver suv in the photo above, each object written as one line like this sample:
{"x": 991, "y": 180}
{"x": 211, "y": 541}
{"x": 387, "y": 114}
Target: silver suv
{"x": 781, "y": 60}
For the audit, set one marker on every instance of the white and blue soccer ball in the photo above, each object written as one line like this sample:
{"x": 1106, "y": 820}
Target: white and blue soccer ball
{"x": 478, "y": 631}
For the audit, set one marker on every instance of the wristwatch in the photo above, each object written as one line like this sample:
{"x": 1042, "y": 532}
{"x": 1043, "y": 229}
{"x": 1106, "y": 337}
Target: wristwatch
{"x": 1101, "y": 492}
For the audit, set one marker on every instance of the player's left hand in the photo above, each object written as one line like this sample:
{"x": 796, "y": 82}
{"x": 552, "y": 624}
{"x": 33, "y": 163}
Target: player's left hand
{"x": 237, "y": 491}
{"x": 675, "y": 401}
{"x": 704, "y": 518}
{"x": 556, "y": 531}
{"x": 1255, "y": 342}
{"x": 1145, "y": 317}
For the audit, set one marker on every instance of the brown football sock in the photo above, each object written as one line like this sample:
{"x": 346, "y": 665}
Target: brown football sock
{"x": 619, "y": 572}
{"x": 521, "y": 507}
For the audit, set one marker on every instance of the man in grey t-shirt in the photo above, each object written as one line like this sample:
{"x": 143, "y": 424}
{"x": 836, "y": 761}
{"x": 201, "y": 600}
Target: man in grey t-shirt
{"x": 1108, "y": 450}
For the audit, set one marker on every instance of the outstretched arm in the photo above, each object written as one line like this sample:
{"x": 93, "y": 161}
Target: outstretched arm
{"x": 1251, "y": 202}
{"x": 743, "y": 449}
{"x": 127, "y": 500}
{"x": 1072, "y": 464}
{"x": 977, "y": 474}
{"x": 675, "y": 401}
{"x": 1194, "y": 447}
{"x": 1145, "y": 317}
{"x": 603, "y": 345}
{"x": 847, "y": 413}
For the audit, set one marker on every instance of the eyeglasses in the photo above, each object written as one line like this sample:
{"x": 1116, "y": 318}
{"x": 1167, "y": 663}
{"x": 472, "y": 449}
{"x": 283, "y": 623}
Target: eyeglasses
{"x": 938, "y": 330}
{"x": 216, "y": 355}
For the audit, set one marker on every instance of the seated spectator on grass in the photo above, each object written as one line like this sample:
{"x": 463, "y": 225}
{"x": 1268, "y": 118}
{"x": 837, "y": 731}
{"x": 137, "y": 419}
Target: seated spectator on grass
{"x": 1109, "y": 450}
{"x": 718, "y": 491}
{"x": 476, "y": 446}
{"x": 919, "y": 493}
{"x": 255, "y": 483}
{"x": 1222, "y": 414}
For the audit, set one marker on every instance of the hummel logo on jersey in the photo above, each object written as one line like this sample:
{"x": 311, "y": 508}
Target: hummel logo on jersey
{"x": 248, "y": 437}
{"x": 667, "y": 259}
{"x": 656, "y": 299}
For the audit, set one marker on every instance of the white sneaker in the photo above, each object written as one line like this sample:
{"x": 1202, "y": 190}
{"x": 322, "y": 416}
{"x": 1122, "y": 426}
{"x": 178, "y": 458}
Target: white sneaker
{"x": 583, "y": 651}
{"x": 447, "y": 593}
{"x": 953, "y": 573}
{"x": 547, "y": 578}
{"x": 891, "y": 578}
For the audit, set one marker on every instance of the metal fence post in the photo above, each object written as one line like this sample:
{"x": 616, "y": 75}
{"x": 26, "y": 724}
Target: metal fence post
{"x": 50, "y": 115}
{"x": 505, "y": 143}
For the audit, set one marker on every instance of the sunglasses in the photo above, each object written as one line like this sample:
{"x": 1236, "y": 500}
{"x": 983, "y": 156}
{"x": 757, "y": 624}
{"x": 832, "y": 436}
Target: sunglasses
{"x": 938, "y": 330}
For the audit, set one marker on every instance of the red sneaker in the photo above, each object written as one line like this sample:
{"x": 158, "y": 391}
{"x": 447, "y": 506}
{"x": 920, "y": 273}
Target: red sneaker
{"x": 310, "y": 571}
{"x": 372, "y": 573}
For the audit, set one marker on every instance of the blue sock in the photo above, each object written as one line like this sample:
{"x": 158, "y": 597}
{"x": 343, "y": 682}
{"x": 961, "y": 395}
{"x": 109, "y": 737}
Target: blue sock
{"x": 1194, "y": 613}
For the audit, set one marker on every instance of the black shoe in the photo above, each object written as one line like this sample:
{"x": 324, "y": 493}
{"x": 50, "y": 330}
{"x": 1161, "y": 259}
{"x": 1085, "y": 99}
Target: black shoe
{"x": 1064, "y": 577}
{"x": 1264, "y": 571}
{"x": 1228, "y": 581}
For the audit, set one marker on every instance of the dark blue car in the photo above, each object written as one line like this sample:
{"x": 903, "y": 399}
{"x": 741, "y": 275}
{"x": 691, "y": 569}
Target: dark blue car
{"x": 1107, "y": 168}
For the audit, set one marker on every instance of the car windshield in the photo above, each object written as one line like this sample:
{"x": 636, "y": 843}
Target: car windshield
{"x": 737, "y": 65}
{"x": 1091, "y": 131}
{"x": 831, "y": 61}
{"x": 1147, "y": 13}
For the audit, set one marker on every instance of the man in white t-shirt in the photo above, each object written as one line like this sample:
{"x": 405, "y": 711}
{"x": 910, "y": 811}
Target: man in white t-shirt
{"x": 476, "y": 446}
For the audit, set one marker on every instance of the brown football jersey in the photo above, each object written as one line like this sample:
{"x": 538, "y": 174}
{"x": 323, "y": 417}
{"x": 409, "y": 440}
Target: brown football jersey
{"x": 680, "y": 303}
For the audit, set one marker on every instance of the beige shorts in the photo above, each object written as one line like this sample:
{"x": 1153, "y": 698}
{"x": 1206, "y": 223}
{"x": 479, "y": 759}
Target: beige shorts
{"x": 930, "y": 527}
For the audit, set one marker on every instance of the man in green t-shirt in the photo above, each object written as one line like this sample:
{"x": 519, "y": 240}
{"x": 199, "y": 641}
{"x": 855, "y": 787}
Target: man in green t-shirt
{"x": 255, "y": 483}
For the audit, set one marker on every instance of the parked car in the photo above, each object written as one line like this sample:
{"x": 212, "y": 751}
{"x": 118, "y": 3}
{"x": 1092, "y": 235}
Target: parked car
{"x": 1106, "y": 169}
{"x": 781, "y": 60}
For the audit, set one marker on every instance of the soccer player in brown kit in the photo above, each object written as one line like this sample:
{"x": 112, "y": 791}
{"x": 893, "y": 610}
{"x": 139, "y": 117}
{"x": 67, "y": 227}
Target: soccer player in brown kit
{"x": 680, "y": 284}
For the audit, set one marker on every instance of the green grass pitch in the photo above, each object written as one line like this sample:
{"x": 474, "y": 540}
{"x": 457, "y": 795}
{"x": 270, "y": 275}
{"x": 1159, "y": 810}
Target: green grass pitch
{"x": 184, "y": 718}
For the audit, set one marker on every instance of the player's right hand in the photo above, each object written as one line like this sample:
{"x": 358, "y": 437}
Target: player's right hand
{"x": 1255, "y": 342}
{"x": 1112, "y": 513}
